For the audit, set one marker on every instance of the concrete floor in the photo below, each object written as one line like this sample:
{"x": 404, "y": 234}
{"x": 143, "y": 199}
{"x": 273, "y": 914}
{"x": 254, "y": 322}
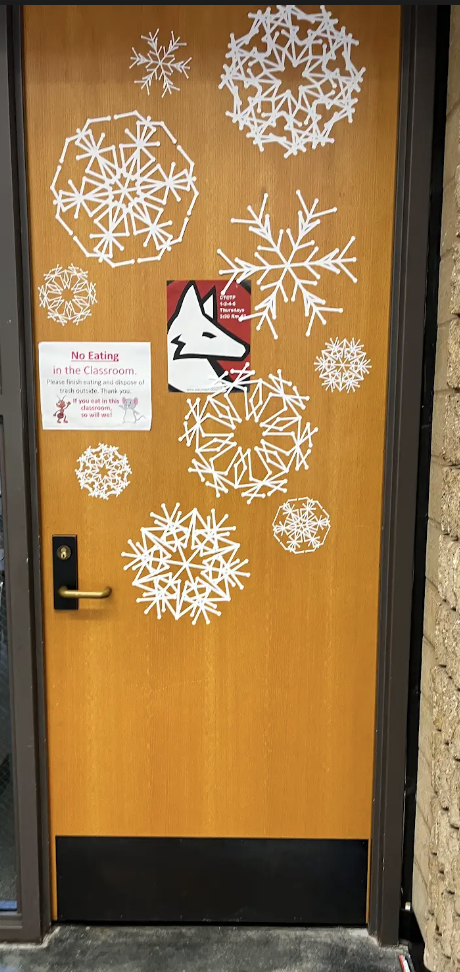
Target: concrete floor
{"x": 201, "y": 949}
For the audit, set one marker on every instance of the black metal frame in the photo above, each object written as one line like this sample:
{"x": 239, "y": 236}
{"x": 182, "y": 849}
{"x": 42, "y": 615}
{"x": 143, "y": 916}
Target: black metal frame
{"x": 20, "y": 516}
{"x": 401, "y": 463}
{"x": 17, "y": 412}
{"x": 409, "y": 929}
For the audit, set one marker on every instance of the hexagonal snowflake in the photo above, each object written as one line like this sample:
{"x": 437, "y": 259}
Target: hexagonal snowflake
{"x": 266, "y": 102}
{"x": 286, "y": 438}
{"x": 301, "y": 525}
{"x": 103, "y": 471}
{"x": 288, "y": 265}
{"x": 343, "y": 365}
{"x": 186, "y": 564}
{"x": 159, "y": 63}
{"x": 130, "y": 193}
{"x": 67, "y": 294}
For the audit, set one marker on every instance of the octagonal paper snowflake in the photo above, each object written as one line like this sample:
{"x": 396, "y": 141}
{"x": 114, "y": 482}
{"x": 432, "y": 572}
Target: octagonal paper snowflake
{"x": 283, "y": 260}
{"x": 343, "y": 365}
{"x": 186, "y": 564}
{"x": 301, "y": 525}
{"x": 126, "y": 198}
{"x": 67, "y": 294}
{"x": 291, "y": 78}
{"x": 286, "y": 438}
{"x": 160, "y": 63}
{"x": 103, "y": 471}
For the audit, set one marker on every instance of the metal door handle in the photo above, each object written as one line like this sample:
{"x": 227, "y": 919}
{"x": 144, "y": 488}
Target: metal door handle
{"x": 64, "y": 592}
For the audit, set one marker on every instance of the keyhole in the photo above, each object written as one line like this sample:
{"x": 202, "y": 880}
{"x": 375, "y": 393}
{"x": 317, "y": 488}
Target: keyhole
{"x": 63, "y": 552}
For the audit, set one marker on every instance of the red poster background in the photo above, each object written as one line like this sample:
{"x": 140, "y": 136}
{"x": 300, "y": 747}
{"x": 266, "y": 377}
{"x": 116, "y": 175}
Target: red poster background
{"x": 242, "y": 305}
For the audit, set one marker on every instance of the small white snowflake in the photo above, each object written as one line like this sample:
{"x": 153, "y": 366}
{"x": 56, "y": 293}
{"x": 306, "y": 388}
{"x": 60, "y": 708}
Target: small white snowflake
{"x": 67, "y": 294}
{"x": 267, "y": 103}
{"x": 132, "y": 196}
{"x": 160, "y": 63}
{"x": 282, "y": 262}
{"x": 343, "y": 365}
{"x": 186, "y": 564}
{"x": 103, "y": 471}
{"x": 301, "y": 525}
{"x": 286, "y": 438}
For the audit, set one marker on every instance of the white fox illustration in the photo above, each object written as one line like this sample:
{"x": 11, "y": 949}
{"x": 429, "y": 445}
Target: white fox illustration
{"x": 196, "y": 341}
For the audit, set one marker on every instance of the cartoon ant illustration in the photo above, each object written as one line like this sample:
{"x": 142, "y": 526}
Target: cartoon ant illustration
{"x": 60, "y": 413}
{"x": 129, "y": 407}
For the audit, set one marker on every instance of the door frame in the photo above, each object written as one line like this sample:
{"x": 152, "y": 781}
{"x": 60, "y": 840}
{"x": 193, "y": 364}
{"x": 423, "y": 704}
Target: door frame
{"x": 22, "y": 527}
{"x": 20, "y": 514}
{"x": 401, "y": 507}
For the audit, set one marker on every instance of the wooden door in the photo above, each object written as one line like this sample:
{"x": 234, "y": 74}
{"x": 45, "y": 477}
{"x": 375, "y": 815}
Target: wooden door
{"x": 254, "y": 730}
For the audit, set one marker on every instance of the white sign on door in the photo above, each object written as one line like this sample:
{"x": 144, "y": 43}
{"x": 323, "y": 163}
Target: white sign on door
{"x": 95, "y": 385}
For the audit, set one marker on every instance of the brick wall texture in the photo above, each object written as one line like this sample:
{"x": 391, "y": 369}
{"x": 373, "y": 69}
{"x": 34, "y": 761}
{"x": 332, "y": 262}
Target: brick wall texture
{"x": 436, "y": 886}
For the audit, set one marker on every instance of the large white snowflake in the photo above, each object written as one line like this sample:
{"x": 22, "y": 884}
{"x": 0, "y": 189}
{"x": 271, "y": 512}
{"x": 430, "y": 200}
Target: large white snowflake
{"x": 103, "y": 471}
{"x": 186, "y": 564}
{"x": 160, "y": 63}
{"x": 301, "y": 525}
{"x": 288, "y": 265}
{"x": 299, "y": 107}
{"x": 67, "y": 294}
{"x": 211, "y": 427}
{"x": 123, "y": 197}
{"x": 343, "y": 365}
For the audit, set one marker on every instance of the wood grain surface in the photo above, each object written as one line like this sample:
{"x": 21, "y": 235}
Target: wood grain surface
{"x": 260, "y": 723}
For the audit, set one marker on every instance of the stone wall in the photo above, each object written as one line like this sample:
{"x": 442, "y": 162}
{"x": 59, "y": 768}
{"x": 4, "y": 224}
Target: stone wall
{"x": 436, "y": 888}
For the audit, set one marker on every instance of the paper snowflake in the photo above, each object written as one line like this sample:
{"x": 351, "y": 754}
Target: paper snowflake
{"x": 301, "y": 525}
{"x": 310, "y": 49}
{"x": 121, "y": 198}
{"x": 283, "y": 260}
{"x": 103, "y": 471}
{"x": 67, "y": 294}
{"x": 160, "y": 63}
{"x": 186, "y": 564}
{"x": 211, "y": 427}
{"x": 343, "y": 365}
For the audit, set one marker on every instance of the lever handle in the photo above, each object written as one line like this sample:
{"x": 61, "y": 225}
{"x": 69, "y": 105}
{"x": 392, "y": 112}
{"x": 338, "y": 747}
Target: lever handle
{"x": 76, "y": 595}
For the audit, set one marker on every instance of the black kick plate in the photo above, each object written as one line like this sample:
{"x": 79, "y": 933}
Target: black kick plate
{"x": 223, "y": 880}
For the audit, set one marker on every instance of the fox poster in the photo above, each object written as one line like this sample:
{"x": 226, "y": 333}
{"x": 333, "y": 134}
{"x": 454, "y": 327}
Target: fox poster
{"x": 208, "y": 342}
